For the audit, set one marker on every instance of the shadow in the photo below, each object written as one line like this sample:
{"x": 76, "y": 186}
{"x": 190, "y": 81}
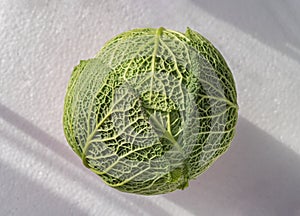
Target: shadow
{"x": 21, "y": 196}
{"x": 38, "y": 134}
{"x": 129, "y": 202}
{"x": 257, "y": 176}
{"x": 275, "y": 23}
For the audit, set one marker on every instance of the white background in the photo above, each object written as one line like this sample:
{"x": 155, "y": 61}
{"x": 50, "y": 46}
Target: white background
{"x": 40, "y": 43}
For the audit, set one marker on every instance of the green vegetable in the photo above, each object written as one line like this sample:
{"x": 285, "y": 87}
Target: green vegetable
{"x": 154, "y": 109}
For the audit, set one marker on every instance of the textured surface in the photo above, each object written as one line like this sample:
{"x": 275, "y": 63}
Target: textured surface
{"x": 41, "y": 41}
{"x": 153, "y": 110}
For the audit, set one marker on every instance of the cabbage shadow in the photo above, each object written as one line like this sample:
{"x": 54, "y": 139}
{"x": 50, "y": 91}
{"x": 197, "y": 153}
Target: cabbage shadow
{"x": 257, "y": 176}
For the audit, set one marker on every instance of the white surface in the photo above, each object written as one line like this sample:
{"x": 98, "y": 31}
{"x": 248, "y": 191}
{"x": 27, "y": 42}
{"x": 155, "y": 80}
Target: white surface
{"x": 41, "y": 41}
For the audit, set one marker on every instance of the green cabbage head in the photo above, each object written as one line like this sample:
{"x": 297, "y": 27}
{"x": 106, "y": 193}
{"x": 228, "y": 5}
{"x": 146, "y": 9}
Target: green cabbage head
{"x": 152, "y": 110}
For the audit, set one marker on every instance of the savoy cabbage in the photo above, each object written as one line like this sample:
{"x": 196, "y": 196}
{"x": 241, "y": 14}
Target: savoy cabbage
{"x": 152, "y": 110}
